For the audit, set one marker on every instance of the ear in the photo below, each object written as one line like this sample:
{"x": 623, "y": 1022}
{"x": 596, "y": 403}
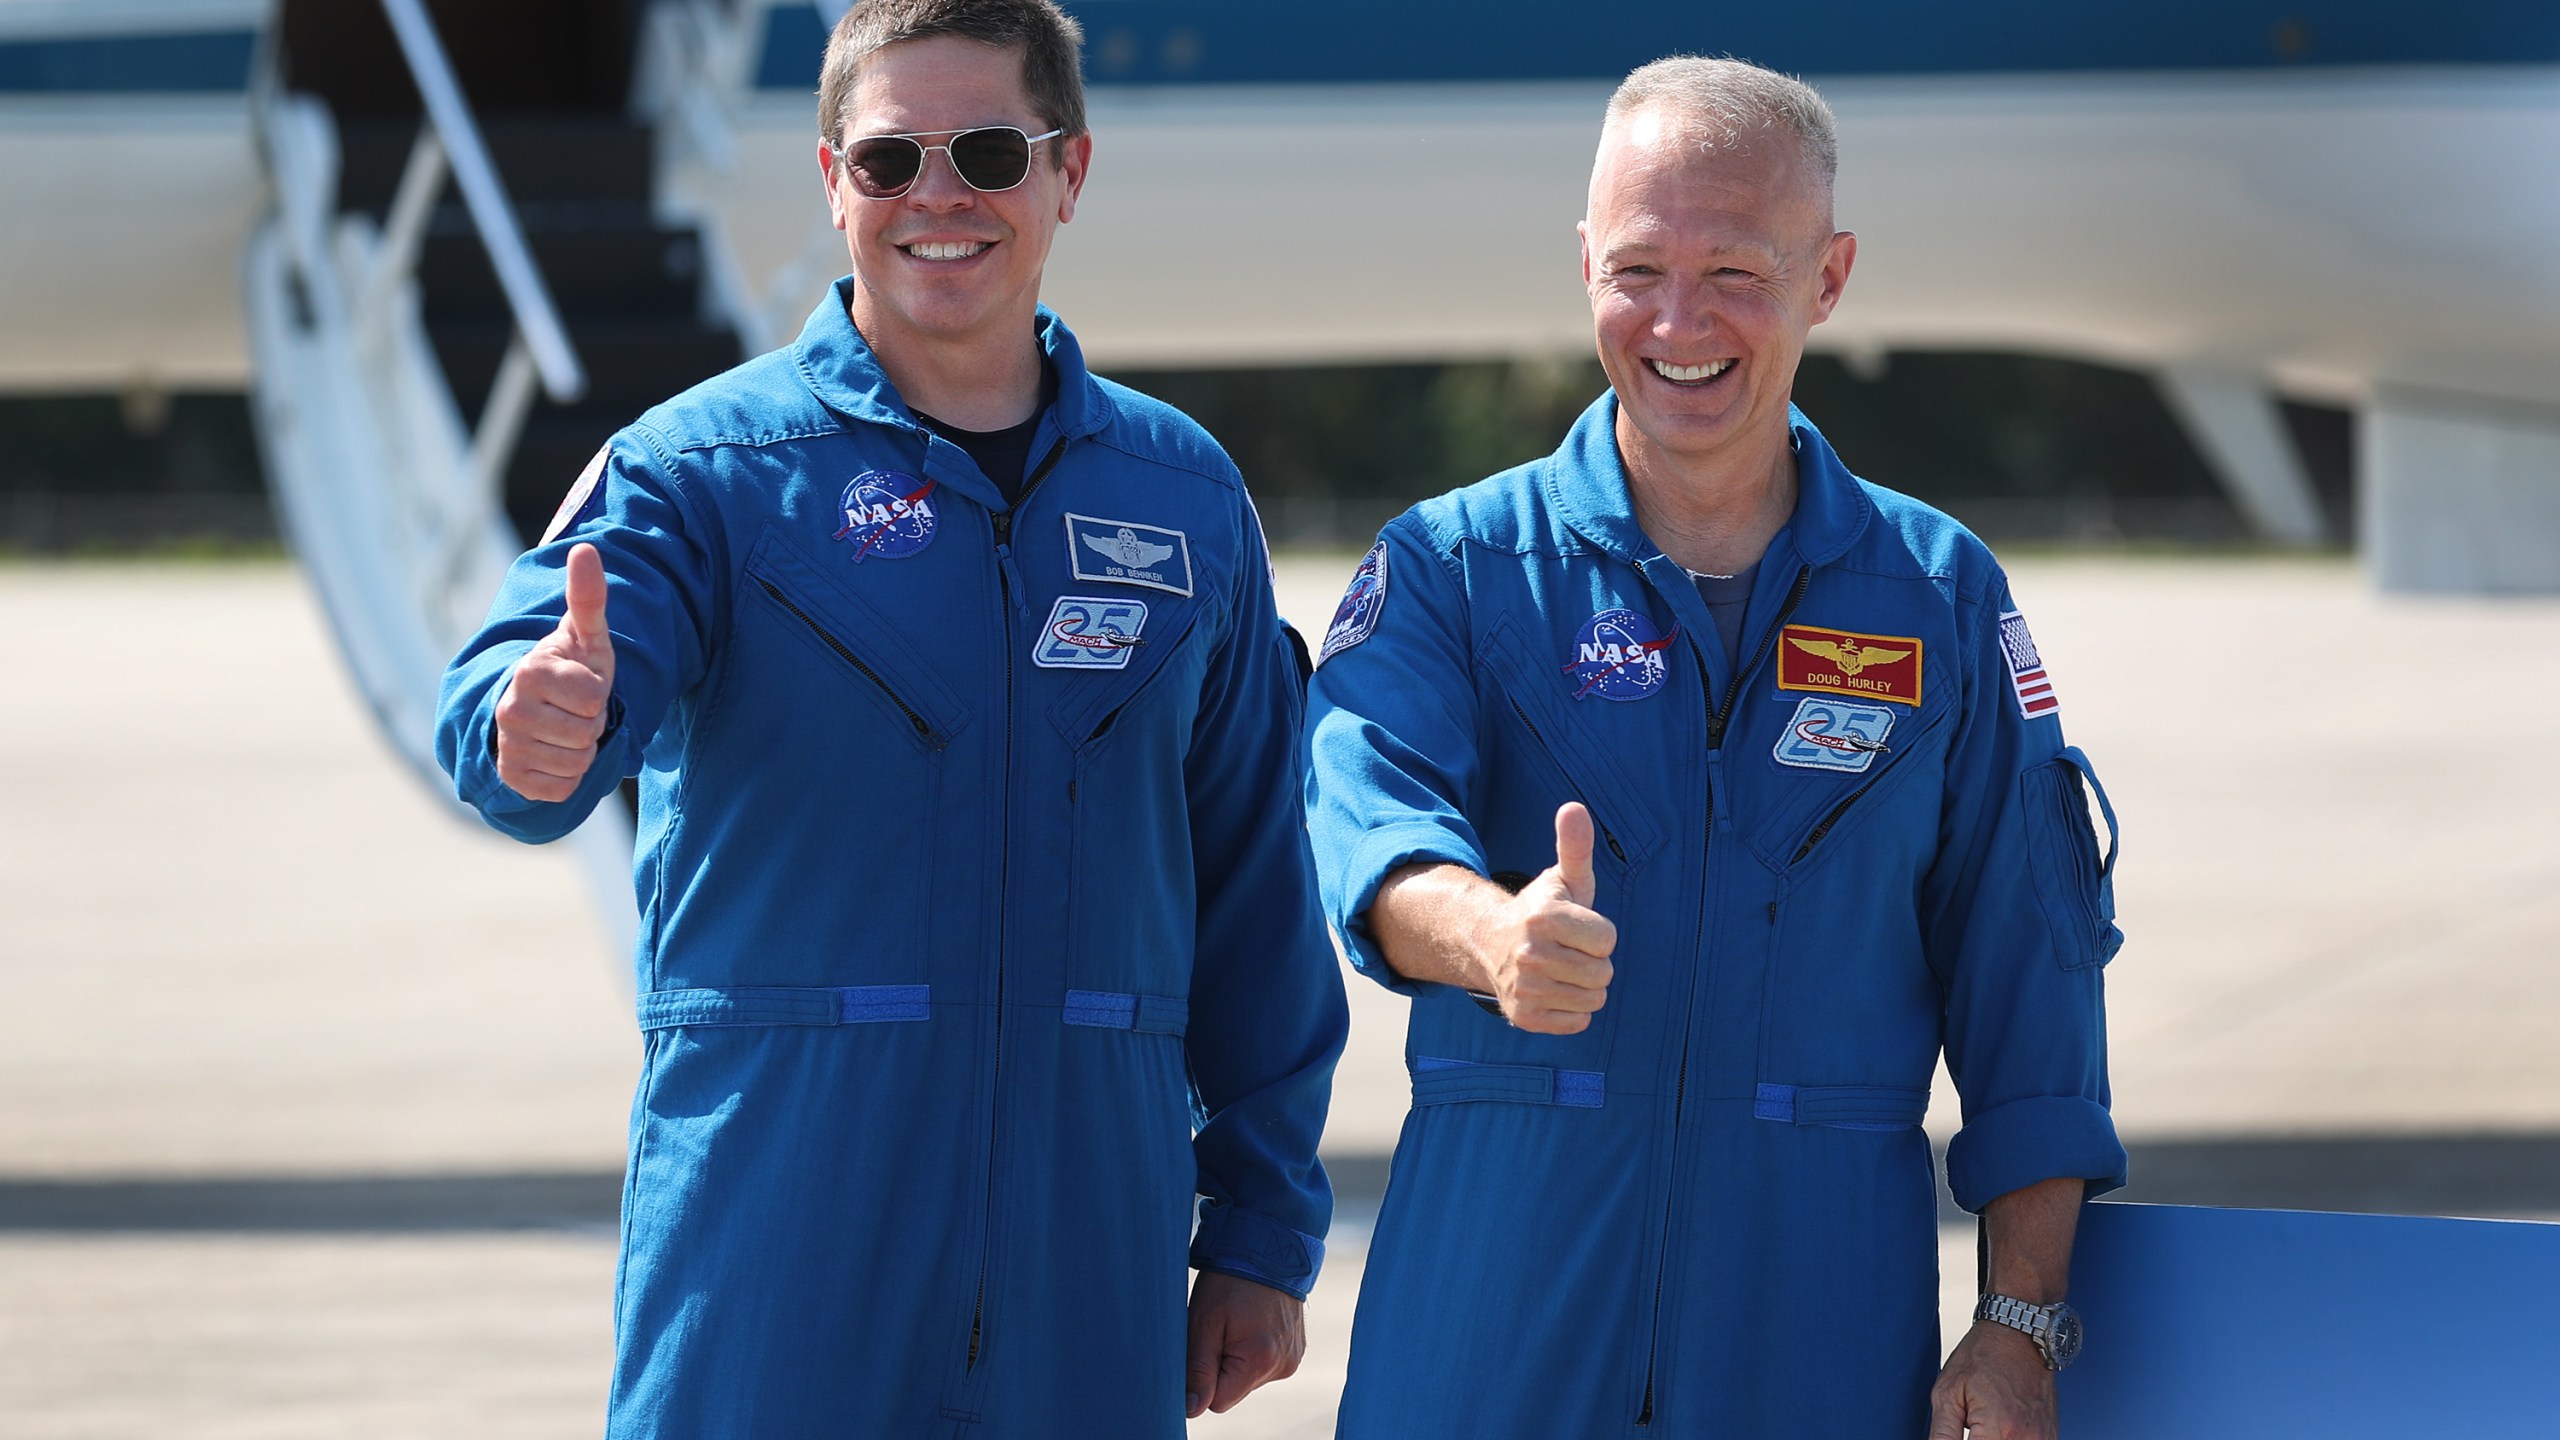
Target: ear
{"x": 1582, "y": 232}
{"x": 1838, "y": 256}
{"x": 1077, "y": 158}
{"x": 827, "y": 183}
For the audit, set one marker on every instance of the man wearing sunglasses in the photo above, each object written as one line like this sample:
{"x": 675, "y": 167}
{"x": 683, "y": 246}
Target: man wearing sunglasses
{"x": 980, "y": 955}
{"x": 1700, "y": 794}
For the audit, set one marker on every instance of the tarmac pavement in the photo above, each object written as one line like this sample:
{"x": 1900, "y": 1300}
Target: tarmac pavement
{"x": 313, "y": 1095}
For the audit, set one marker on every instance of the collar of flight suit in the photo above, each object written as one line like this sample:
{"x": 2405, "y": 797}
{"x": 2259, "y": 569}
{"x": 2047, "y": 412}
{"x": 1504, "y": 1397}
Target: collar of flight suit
{"x": 1589, "y": 491}
{"x": 839, "y": 367}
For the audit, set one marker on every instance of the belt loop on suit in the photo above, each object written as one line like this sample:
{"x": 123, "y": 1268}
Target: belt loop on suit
{"x": 785, "y": 1005}
{"x": 1841, "y": 1107}
{"x": 1438, "y": 1081}
{"x": 1119, "y": 1010}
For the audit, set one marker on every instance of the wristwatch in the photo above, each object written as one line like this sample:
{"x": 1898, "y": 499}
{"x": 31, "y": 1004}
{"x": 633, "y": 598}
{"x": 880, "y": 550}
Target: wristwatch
{"x": 2055, "y": 1328}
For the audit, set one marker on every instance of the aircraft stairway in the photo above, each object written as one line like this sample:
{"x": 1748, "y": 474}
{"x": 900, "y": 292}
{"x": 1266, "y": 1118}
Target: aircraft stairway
{"x": 470, "y": 280}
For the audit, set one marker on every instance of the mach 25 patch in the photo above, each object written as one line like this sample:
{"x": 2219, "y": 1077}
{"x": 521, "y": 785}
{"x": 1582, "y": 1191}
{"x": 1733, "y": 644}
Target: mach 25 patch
{"x": 1849, "y": 664}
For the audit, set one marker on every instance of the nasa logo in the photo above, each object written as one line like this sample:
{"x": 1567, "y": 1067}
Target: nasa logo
{"x": 1834, "y": 735}
{"x": 887, "y": 514}
{"x": 1124, "y": 552}
{"x": 1363, "y": 601}
{"x": 1619, "y": 655}
{"x": 1087, "y": 632}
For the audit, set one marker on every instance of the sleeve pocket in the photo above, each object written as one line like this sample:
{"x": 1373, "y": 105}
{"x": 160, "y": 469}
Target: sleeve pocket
{"x": 2074, "y": 883}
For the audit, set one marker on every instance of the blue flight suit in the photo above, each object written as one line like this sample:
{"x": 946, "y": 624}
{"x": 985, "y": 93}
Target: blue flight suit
{"x": 1712, "y": 1213}
{"x": 978, "y": 930}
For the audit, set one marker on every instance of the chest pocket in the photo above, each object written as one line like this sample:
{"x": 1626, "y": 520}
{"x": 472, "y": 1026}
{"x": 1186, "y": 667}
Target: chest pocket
{"x": 1157, "y": 689}
{"x": 787, "y": 597}
{"x": 1576, "y": 750}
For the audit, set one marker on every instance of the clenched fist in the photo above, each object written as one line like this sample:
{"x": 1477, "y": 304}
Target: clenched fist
{"x": 554, "y": 708}
{"x": 1546, "y": 952}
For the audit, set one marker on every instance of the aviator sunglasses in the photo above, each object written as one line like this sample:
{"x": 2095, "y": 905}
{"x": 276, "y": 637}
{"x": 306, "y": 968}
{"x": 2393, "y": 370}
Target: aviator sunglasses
{"x": 989, "y": 158}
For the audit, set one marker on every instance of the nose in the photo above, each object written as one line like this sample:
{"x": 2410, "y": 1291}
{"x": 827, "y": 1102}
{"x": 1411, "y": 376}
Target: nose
{"x": 938, "y": 185}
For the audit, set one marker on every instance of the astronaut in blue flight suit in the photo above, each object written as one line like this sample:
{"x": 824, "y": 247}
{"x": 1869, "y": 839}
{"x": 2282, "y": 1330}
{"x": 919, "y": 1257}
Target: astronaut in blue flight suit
{"x": 979, "y": 934}
{"x": 1699, "y": 793}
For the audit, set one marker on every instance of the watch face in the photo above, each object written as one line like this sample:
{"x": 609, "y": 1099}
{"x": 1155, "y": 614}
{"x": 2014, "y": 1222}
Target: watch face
{"x": 2066, "y": 1335}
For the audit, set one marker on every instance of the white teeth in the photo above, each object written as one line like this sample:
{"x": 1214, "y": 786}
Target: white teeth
{"x": 1708, "y": 371}
{"x": 946, "y": 249}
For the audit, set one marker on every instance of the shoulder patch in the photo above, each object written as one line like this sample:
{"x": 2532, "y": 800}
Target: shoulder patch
{"x": 584, "y": 499}
{"x": 2033, "y": 687}
{"x": 1363, "y": 601}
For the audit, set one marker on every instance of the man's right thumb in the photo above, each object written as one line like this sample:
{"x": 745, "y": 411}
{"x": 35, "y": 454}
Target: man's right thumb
{"x": 1573, "y": 853}
{"x": 586, "y": 595}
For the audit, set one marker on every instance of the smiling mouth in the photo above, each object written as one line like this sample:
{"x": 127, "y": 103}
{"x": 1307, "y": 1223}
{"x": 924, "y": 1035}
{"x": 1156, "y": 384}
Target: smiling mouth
{"x": 946, "y": 249}
{"x": 1690, "y": 376}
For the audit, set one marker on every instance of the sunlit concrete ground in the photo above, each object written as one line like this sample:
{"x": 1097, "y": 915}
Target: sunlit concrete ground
{"x": 240, "y": 940}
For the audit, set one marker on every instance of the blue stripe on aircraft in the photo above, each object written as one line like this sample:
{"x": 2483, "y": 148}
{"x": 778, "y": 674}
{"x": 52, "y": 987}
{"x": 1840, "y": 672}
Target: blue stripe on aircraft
{"x": 212, "y": 62}
{"x": 1214, "y": 42}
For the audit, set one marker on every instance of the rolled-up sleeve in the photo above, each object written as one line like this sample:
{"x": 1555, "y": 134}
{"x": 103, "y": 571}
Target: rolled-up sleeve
{"x": 1393, "y": 737}
{"x": 2020, "y": 924}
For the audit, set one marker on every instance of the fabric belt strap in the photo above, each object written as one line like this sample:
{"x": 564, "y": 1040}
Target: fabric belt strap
{"x": 785, "y": 1005}
{"x": 1841, "y": 1107}
{"x": 1454, "y": 1082}
{"x": 1115, "y": 1010}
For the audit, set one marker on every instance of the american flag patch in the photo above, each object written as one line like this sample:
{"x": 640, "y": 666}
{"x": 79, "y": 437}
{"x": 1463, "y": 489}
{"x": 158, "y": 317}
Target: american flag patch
{"x": 2026, "y": 668}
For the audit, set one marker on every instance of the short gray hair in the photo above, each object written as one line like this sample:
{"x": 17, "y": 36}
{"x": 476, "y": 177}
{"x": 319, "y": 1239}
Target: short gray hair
{"x": 1733, "y": 100}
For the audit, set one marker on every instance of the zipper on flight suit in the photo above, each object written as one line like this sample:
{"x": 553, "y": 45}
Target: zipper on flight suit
{"x": 1001, "y": 522}
{"x": 923, "y": 726}
{"x": 1718, "y": 715}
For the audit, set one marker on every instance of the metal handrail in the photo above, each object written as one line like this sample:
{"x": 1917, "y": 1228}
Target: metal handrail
{"x": 537, "y": 318}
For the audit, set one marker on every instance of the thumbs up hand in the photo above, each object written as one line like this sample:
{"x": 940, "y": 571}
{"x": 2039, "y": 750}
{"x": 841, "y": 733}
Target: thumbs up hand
{"x": 1547, "y": 951}
{"x": 554, "y": 708}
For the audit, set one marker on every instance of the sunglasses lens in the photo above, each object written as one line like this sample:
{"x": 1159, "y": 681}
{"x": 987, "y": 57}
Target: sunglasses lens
{"x": 883, "y": 165}
{"x": 996, "y": 158}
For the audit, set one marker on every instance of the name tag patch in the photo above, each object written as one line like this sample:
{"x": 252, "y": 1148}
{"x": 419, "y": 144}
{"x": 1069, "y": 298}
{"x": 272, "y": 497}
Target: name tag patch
{"x": 1363, "y": 601}
{"x": 2026, "y": 668}
{"x": 1834, "y": 735}
{"x": 1087, "y": 632}
{"x": 886, "y": 515}
{"x": 1124, "y": 552}
{"x": 1848, "y": 664}
{"x": 1619, "y": 655}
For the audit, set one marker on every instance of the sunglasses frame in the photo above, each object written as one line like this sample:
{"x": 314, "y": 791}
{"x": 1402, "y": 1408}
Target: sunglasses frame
{"x": 924, "y": 157}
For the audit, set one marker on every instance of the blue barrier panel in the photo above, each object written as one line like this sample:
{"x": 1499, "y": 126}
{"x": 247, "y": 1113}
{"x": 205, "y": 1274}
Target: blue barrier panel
{"x": 2274, "y": 1324}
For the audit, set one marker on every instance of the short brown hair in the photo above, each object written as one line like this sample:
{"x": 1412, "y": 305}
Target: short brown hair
{"x": 1048, "y": 37}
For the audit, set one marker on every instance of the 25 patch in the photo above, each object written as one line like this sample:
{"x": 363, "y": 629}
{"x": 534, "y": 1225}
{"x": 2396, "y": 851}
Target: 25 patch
{"x": 1834, "y": 735}
{"x": 1363, "y": 601}
{"x": 1087, "y": 632}
{"x": 1124, "y": 552}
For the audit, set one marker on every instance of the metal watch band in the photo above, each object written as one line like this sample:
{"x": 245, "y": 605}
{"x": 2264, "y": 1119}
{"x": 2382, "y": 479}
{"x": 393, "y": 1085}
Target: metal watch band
{"x": 2033, "y": 1321}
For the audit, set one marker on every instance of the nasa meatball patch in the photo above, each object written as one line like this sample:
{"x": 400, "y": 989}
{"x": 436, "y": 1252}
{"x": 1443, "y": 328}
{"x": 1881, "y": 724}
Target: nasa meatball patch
{"x": 1124, "y": 552}
{"x": 887, "y": 515}
{"x": 1620, "y": 655}
{"x": 1363, "y": 601}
